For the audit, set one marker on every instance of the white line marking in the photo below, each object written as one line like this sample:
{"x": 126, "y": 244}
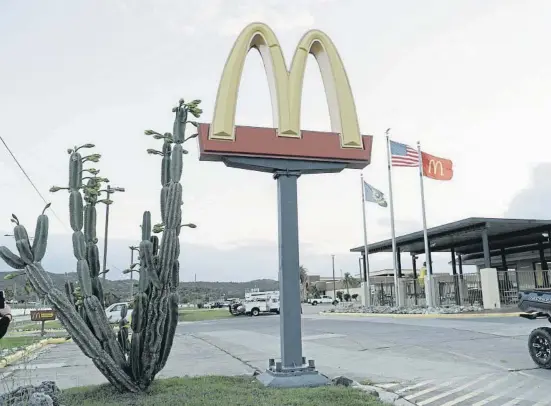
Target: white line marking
{"x": 321, "y": 336}
{"x": 450, "y": 392}
{"x": 387, "y": 385}
{"x": 425, "y": 391}
{"x": 475, "y": 393}
{"x": 515, "y": 401}
{"x": 408, "y": 388}
{"x": 487, "y": 400}
{"x": 502, "y": 394}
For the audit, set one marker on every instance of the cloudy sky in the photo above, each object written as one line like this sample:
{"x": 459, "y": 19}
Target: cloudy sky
{"x": 470, "y": 79}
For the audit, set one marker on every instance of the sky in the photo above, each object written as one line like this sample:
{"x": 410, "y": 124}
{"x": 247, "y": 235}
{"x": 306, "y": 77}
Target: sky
{"x": 468, "y": 79}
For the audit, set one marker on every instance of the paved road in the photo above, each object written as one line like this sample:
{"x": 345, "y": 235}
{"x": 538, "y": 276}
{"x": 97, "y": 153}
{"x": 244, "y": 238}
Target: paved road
{"x": 435, "y": 362}
{"x": 471, "y": 361}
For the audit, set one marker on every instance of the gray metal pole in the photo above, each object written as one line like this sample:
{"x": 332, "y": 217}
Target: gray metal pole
{"x": 131, "y": 272}
{"x": 334, "y": 289}
{"x": 106, "y": 231}
{"x": 392, "y": 225}
{"x": 367, "y": 284}
{"x": 289, "y": 275}
{"x": 428, "y": 294}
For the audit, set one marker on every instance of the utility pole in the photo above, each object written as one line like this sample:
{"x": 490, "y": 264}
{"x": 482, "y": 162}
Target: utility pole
{"x": 109, "y": 191}
{"x": 334, "y": 284}
{"x": 132, "y": 249}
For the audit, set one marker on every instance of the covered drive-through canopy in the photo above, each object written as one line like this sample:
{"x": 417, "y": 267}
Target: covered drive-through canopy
{"x": 475, "y": 237}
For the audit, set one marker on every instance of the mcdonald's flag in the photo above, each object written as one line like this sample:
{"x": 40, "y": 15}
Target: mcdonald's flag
{"x": 437, "y": 168}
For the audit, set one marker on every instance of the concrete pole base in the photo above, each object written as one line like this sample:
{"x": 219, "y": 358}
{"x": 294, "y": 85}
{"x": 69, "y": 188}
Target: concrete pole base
{"x": 304, "y": 376}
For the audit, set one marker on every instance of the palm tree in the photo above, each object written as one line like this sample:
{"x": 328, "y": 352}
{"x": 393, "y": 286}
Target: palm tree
{"x": 303, "y": 282}
{"x": 350, "y": 282}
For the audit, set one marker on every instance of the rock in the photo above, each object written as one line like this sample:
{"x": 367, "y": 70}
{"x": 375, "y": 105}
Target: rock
{"x": 342, "y": 381}
{"x": 45, "y": 394}
{"x": 369, "y": 390}
{"x": 40, "y": 399}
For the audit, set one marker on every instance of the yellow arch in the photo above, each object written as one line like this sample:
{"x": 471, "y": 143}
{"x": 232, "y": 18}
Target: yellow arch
{"x": 286, "y": 87}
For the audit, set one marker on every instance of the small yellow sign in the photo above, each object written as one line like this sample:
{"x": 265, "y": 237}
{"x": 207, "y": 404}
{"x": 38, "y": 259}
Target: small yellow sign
{"x": 42, "y": 315}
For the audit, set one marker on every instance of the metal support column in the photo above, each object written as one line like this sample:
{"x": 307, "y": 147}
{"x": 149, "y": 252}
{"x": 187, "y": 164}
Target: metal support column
{"x": 289, "y": 275}
{"x": 399, "y": 262}
{"x": 414, "y": 266}
{"x": 486, "y": 248}
{"x": 364, "y": 261}
{"x": 455, "y": 279}
{"x": 544, "y": 266}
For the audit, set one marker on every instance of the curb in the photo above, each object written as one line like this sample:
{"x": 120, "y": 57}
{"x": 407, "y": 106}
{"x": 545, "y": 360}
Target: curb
{"x": 30, "y": 349}
{"x": 425, "y": 316}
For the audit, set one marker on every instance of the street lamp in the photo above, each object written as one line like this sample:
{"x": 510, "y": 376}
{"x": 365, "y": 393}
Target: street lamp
{"x": 132, "y": 249}
{"x": 109, "y": 191}
{"x": 11, "y": 235}
{"x": 190, "y": 225}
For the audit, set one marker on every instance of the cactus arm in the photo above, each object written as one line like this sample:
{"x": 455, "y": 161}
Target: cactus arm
{"x": 11, "y": 260}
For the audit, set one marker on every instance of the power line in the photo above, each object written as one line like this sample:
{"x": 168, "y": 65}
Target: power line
{"x": 30, "y": 181}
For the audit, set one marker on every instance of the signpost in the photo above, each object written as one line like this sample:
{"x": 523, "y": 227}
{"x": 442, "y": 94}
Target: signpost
{"x": 287, "y": 152}
{"x": 43, "y": 316}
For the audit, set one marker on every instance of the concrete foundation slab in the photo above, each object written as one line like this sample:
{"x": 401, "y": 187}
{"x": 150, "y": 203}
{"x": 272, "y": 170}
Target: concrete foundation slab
{"x": 293, "y": 379}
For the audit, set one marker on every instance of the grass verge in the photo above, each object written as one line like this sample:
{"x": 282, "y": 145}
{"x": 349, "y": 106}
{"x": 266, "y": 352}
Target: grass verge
{"x": 200, "y": 315}
{"x": 37, "y": 326}
{"x": 217, "y": 390}
{"x": 22, "y": 341}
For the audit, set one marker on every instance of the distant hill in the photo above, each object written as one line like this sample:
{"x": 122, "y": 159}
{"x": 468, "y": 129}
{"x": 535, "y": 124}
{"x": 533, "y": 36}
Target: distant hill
{"x": 120, "y": 289}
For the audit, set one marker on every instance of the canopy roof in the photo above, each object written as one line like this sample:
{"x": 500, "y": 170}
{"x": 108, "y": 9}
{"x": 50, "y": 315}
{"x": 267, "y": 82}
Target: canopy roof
{"x": 465, "y": 236}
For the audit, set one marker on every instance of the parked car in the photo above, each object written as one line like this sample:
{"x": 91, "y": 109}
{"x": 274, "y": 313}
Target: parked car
{"x": 113, "y": 312}
{"x": 322, "y": 299}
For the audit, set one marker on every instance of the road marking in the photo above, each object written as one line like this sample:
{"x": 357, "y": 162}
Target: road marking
{"x": 541, "y": 403}
{"x": 515, "y": 401}
{"x": 475, "y": 393}
{"x": 429, "y": 390}
{"x": 387, "y": 385}
{"x": 502, "y": 394}
{"x": 450, "y": 392}
{"x": 408, "y": 388}
{"x": 322, "y": 336}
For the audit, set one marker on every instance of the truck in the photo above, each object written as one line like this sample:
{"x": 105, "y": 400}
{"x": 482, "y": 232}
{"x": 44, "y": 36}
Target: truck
{"x": 257, "y": 306}
{"x": 536, "y": 304}
{"x": 323, "y": 299}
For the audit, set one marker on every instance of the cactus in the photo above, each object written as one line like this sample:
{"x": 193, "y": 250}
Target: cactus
{"x": 129, "y": 364}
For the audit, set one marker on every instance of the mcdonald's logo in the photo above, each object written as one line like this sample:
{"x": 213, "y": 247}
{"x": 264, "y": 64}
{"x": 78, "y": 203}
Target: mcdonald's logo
{"x": 434, "y": 165}
{"x": 344, "y": 143}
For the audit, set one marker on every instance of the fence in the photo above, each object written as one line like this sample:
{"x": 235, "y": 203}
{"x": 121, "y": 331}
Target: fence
{"x": 450, "y": 290}
{"x": 512, "y": 282}
{"x": 465, "y": 290}
{"x": 382, "y": 291}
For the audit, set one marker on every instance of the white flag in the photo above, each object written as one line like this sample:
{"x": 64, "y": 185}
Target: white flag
{"x": 374, "y": 195}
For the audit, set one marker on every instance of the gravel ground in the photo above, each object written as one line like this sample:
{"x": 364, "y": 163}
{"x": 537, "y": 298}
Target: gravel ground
{"x": 358, "y": 308}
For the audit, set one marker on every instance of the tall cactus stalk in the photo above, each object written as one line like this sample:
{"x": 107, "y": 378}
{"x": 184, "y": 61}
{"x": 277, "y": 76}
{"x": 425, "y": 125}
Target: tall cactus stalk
{"x": 129, "y": 366}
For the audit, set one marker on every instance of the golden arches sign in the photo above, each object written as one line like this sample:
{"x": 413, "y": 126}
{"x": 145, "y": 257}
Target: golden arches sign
{"x": 286, "y": 85}
{"x": 434, "y": 165}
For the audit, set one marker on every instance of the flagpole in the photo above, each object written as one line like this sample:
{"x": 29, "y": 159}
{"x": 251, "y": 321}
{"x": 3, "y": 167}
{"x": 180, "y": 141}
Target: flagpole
{"x": 367, "y": 285}
{"x": 428, "y": 276}
{"x": 394, "y": 259}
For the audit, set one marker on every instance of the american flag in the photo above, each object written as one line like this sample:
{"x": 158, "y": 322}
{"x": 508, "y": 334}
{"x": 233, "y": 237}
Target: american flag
{"x": 403, "y": 155}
